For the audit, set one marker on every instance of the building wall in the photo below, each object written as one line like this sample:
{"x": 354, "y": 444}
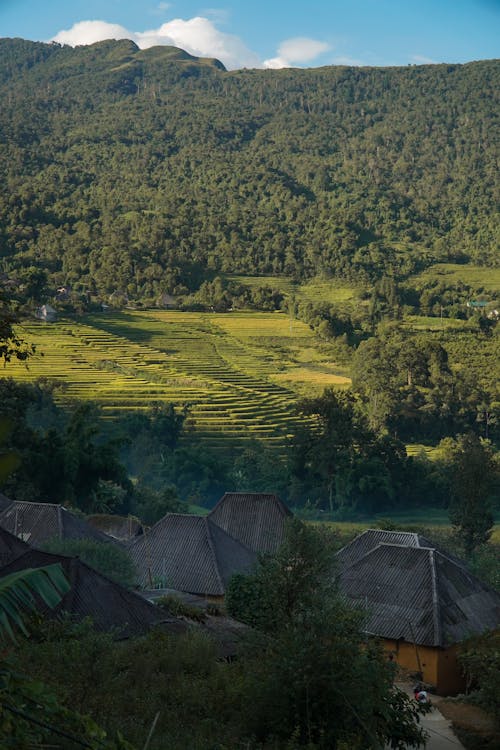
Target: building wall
{"x": 439, "y": 666}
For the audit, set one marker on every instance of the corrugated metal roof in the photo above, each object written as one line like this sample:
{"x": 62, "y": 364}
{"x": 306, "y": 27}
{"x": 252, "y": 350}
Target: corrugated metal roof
{"x": 420, "y": 595}
{"x": 257, "y": 520}
{"x": 10, "y": 547}
{"x": 92, "y": 594}
{"x": 371, "y": 538}
{"x": 37, "y": 523}
{"x": 189, "y": 553}
{"x": 121, "y": 528}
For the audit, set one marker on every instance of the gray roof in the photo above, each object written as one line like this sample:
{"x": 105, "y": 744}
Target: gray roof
{"x": 121, "y": 528}
{"x": 257, "y": 520}
{"x": 10, "y": 547}
{"x": 420, "y": 595}
{"x": 4, "y": 502}
{"x": 371, "y": 538}
{"x": 111, "y": 606}
{"x": 189, "y": 553}
{"x": 37, "y": 523}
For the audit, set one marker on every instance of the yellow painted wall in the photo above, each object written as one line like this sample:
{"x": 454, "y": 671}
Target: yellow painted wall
{"x": 439, "y": 667}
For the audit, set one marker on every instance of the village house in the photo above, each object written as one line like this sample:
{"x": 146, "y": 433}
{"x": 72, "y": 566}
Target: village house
{"x": 120, "y": 528}
{"x": 421, "y": 601}
{"x": 10, "y": 547}
{"x": 37, "y": 523}
{"x": 46, "y": 313}
{"x": 255, "y": 519}
{"x": 110, "y": 606}
{"x": 191, "y": 554}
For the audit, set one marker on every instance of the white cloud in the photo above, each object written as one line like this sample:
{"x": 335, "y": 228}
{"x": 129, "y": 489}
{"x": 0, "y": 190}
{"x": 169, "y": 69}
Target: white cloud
{"x": 198, "y": 36}
{"x": 296, "y": 50}
{"x": 88, "y": 32}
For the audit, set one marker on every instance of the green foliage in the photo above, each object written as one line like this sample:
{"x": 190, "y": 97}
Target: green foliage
{"x": 311, "y": 678}
{"x": 64, "y": 457}
{"x": 353, "y": 172}
{"x": 31, "y": 716}
{"x": 175, "y": 606}
{"x": 18, "y": 591}
{"x": 106, "y": 557}
{"x": 474, "y": 475}
{"x": 480, "y": 659}
{"x": 150, "y": 505}
{"x": 124, "y": 684}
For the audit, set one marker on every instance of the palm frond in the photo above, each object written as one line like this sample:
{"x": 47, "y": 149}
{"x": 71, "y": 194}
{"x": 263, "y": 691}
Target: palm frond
{"x": 19, "y": 592}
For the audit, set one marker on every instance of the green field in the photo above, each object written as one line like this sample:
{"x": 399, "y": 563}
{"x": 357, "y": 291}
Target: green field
{"x": 318, "y": 289}
{"x": 476, "y": 276}
{"x": 241, "y": 372}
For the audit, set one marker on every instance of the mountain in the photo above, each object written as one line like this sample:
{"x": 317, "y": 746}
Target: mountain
{"x": 149, "y": 170}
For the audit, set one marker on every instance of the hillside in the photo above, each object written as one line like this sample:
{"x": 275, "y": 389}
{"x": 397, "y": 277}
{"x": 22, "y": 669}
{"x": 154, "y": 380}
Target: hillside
{"x": 149, "y": 171}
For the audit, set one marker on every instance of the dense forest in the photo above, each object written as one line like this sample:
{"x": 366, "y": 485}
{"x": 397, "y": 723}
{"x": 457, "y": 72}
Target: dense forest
{"x": 143, "y": 172}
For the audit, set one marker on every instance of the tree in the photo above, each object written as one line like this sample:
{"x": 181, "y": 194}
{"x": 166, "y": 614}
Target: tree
{"x": 12, "y": 346}
{"x": 474, "y": 473}
{"x": 333, "y": 442}
{"x": 311, "y": 677}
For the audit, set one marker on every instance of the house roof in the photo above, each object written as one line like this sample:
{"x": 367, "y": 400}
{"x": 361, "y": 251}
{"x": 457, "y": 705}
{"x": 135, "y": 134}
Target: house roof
{"x": 4, "y": 502}
{"x": 371, "y": 538}
{"x": 419, "y": 594}
{"x": 37, "y": 523}
{"x": 92, "y": 594}
{"x": 10, "y": 547}
{"x": 189, "y": 553}
{"x": 120, "y": 528}
{"x": 255, "y": 519}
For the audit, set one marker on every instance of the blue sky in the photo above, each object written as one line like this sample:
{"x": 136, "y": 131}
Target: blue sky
{"x": 273, "y": 33}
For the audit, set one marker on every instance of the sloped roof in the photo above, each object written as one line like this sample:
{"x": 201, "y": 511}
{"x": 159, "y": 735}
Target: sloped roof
{"x": 121, "y": 528}
{"x": 92, "y": 594}
{"x": 255, "y": 519}
{"x": 10, "y": 547}
{"x": 419, "y": 594}
{"x": 4, "y": 502}
{"x": 371, "y": 538}
{"x": 189, "y": 553}
{"x": 37, "y": 523}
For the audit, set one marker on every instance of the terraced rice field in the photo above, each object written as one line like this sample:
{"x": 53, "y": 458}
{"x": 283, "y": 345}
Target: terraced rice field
{"x": 240, "y": 372}
{"x": 476, "y": 276}
{"x": 315, "y": 290}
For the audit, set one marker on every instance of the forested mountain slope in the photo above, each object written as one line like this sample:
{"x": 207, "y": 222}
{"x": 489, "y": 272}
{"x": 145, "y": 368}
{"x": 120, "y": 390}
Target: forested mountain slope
{"x": 142, "y": 171}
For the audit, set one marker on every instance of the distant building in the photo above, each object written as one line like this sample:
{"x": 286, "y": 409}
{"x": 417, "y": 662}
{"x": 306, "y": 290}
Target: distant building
{"x": 166, "y": 300}
{"x": 10, "y": 547}
{"x": 37, "y": 523}
{"x": 121, "y": 528}
{"x": 191, "y": 554}
{"x": 46, "y": 313}
{"x": 255, "y": 519}
{"x": 421, "y": 601}
{"x": 111, "y": 607}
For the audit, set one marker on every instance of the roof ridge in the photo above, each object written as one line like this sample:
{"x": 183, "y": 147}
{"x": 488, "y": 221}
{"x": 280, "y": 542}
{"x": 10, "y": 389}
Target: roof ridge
{"x": 208, "y": 524}
{"x": 436, "y": 610}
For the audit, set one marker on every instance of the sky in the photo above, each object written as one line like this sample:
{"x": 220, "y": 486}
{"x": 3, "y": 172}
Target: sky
{"x": 273, "y": 33}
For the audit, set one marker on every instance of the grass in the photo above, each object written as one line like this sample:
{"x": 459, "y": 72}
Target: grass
{"x": 318, "y": 289}
{"x": 476, "y": 276}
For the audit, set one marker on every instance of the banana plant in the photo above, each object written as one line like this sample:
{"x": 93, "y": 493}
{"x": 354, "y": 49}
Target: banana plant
{"x": 20, "y": 590}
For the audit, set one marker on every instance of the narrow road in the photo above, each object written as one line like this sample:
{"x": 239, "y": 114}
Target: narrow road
{"x": 439, "y": 730}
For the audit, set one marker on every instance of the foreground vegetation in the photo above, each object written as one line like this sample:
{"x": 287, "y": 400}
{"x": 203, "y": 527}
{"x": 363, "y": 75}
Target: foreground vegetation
{"x": 305, "y": 677}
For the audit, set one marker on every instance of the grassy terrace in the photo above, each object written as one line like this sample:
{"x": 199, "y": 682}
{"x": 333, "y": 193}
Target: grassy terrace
{"x": 241, "y": 372}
